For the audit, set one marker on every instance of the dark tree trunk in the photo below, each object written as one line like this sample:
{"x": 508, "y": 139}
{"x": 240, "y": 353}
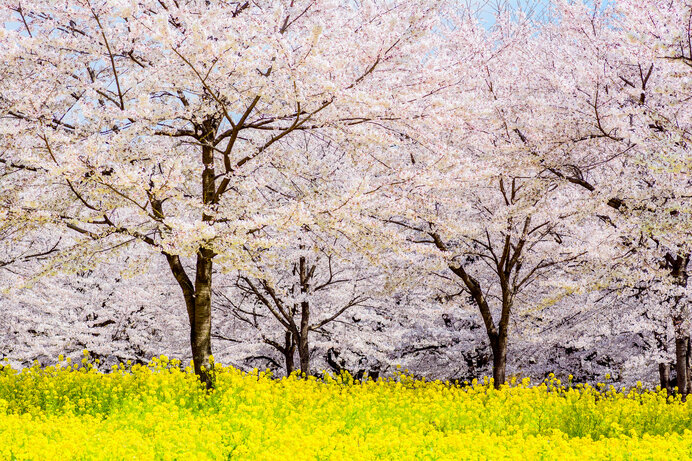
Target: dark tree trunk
{"x": 200, "y": 328}
{"x": 198, "y": 295}
{"x": 200, "y": 331}
{"x": 663, "y": 367}
{"x": 678, "y": 268}
{"x": 304, "y": 353}
{"x": 507, "y": 268}
{"x": 681, "y": 360}
{"x": 498, "y": 345}
{"x": 664, "y": 376}
{"x": 303, "y": 345}
{"x": 688, "y": 385}
{"x": 289, "y": 351}
{"x": 198, "y": 303}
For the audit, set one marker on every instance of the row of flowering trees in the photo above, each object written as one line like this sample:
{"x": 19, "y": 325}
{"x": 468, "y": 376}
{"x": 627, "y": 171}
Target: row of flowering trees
{"x": 293, "y": 161}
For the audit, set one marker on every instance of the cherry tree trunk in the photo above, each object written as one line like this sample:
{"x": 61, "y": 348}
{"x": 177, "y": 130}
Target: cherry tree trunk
{"x": 678, "y": 266}
{"x": 198, "y": 303}
{"x": 289, "y": 350}
{"x": 688, "y": 365}
{"x": 663, "y": 367}
{"x": 682, "y": 345}
{"x": 290, "y": 365}
{"x": 200, "y": 331}
{"x": 304, "y": 353}
{"x": 303, "y": 346}
{"x": 200, "y": 327}
{"x": 664, "y": 376}
{"x": 498, "y": 345}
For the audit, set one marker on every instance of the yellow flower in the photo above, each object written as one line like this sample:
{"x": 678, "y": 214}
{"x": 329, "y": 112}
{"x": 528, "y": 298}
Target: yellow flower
{"x": 254, "y": 416}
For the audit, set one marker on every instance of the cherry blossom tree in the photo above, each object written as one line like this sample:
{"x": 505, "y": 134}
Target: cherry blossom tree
{"x": 656, "y": 69}
{"x": 617, "y": 138}
{"x": 307, "y": 273}
{"x": 480, "y": 207}
{"x": 146, "y": 122}
{"x": 611, "y": 126}
{"x": 322, "y": 172}
{"x": 310, "y": 293}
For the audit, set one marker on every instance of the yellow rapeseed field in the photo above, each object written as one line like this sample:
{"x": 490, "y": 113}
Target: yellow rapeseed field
{"x": 159, "y": 411}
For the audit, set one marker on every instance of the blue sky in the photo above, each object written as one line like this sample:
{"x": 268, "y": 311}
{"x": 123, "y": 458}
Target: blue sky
{"x": 487, "y": 8}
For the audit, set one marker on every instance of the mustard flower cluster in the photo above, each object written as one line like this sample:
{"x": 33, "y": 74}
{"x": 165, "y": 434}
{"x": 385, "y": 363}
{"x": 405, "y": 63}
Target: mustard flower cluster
{"x": 161, "y": 412}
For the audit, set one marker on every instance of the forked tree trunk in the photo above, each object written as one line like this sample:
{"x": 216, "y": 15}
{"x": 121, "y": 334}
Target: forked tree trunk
{"x": 507, "y": 267}
{"x": 198, "y": 303}
{"x": 496, "y": 334}
{"x": 198, "y": 294}
{"x": 200, "y": 331}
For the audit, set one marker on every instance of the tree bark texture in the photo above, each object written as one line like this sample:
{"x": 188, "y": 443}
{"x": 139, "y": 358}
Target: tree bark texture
{"x": 678, "y": 269}
{"x": 200, "y": 328}
{"x": 499, "y": 348}
{"x": 305, "y": 275}
{"x": 664, "y": 376}
{"x": 289, "y": 351}
{"x": 681, "y": 347}
{"x": 198, "y": 294}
